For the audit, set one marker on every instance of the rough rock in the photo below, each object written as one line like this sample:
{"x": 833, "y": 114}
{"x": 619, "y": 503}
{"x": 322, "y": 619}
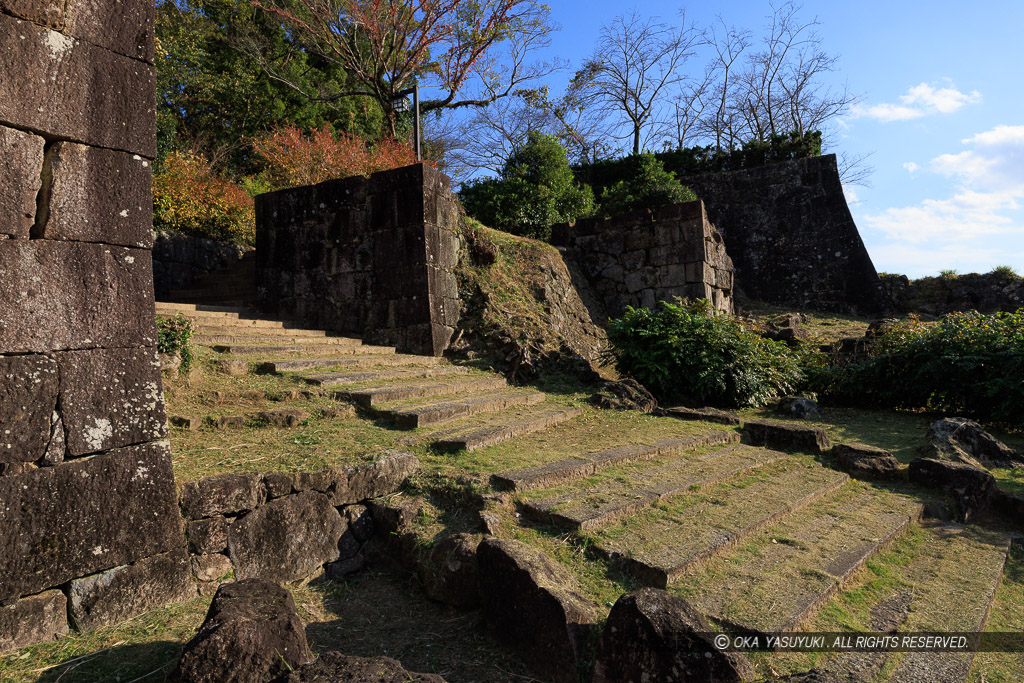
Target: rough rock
{"x": 287, "y": 539}
{"x": 450, "y": 573}
{"x": 35, "y": 619}
{"x": 278, "y": 484}
{"x": 337, "y": 571}
{"x": 28, "y": 397}
{"x": 99, "y": 195}
{"x": 800, "y": 407}
{"x": 1011, "y": 505}
{"x": 394, "y": 516}
{"x": 124, "y": 27}
{"x": 207, "y": 535}
{"x": 59, "y": 523}
{"x": 124, "y": 592}
{"x": 530, "y": 606}
{"x": 111, "y": 398}
{"x": 377, "y": 479}
{"x": 706, "y": 414}
{"x": 360, "y": 522}
{"x": 282, "y": 418}
{"x": 179, "y": 260}
{"x": 73, "y": 295}
{"x": 970, "y": 487}
{"x": 786, "y": 436}
{"x": 225, "y": 494}
{"x": 21, "y": 165}
{"x": 210, "y": 567}
{"x": 962, "y": 440}
{"x": 862, "y": 460}
{"x": 252, "y": 633}
{"x": 232, "y": 367}
{"x": 96, "y": 89}
{"x": 627, "y": 394}
{"x": 652, "y": 635}
{"x": 334, "y": 667}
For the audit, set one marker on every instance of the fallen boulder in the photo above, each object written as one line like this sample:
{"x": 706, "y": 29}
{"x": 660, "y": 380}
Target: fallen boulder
{"x": 799, "y": 407}
{"x": 787, "y": 437}
{"x": 627, "y": 394}
{"x": 970, "y": 487}
{"x": 251, "y": 633}
{"x": 868, "y": 462}
{"x": 450, "y": 573}
{"x": 962, "y": 440}
{"x": 652, "y": 635}
{"x": 334, "y": 667}
{"x": 530, "y": 606}
{"x": 705, "y": 414}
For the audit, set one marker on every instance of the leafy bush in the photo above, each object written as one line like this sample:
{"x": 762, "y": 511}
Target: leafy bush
{"x": 293, "y": 158}
{"x": 648, "y": 187}
{"x": 969, "y": 363}
{"x": 686, "y": 351}
{"x": 535, "y": 191}
{"x": 188, "y": 197}
{"x": 174, "y": 335}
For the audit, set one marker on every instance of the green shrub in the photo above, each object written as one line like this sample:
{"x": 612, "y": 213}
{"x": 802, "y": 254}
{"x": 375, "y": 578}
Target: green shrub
{"x": 688, "y": 352}
{"x": 968, "y": 363}
{"x": 174, "y": 335}
{"x": 1004, "y": 274}
{"x": 649, "y": 186}
{"x": 535, "y": 191}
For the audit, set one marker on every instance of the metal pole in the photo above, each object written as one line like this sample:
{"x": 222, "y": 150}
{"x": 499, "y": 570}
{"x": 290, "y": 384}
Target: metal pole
{"x": 416, "y": 120}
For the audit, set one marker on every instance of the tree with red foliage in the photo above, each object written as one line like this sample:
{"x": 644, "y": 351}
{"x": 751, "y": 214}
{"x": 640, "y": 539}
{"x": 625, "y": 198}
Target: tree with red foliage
{"x": 386, "y": 46}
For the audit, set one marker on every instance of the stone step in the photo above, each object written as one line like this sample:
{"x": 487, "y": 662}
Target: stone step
{"x": 620, "y": 493}
{"x": 282, "y": 337}
{"x": 566, "y": 471}
{"x": 777, "y": 580}
{"x": 947, "y": 582}
{"x": 661, "y": 545}
{"x": 175, "y": 307}
{"x": 276, "y": 329}
{"x": 306, "y": 349}
{"x": 336, "y": 379}
{"x": 413, "y": 417}
{"x": 370, "y": 397}
{"x": 361, "y": 377}
{"x": 498, "y": 433}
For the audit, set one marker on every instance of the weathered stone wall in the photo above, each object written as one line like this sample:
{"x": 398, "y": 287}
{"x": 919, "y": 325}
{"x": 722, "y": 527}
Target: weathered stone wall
{"x": 179, "y": 260}
{"x": 373, "y": 256}
{"x": 640, "y": 257}
{"x": 89, "y": 527}
{"x": 791, "y": 236}
{"x": 285, "y": 527}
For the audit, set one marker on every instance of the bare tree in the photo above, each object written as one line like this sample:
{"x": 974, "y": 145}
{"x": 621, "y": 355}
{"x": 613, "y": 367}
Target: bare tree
{"x": 727, "y": 43}
{"x": 633, "y": 71}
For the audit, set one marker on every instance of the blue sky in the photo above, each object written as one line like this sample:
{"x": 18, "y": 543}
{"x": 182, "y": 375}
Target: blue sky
{"x": 941, "y": 113}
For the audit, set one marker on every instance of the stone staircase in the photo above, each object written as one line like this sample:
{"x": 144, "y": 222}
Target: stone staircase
{"x": 758, "y": 540}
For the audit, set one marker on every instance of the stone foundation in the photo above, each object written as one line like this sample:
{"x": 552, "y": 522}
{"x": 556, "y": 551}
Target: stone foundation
{"x": 88, "y": 507}
{"x": 179, "y": 260}
{"x": 372, "y": 256}
{"x": 641, "y": 257}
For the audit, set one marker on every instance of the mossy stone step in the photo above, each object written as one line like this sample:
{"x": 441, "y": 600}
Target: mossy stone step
{"x": 304, "y": 348}
{"x": 424, "y": 366}
{"x": 353, "y": 378}
{"x": 374, "y": 396}
{"x": 284, "y": 337}
{"x": 414, "y": 417}
{"x": 272, "y": 332}
{"x": 175, "y": 307}
{"x": 618, "y": 493}
{"x": 577, "y": 467}
{"x": 779, "y": 579}
{"x": 661, "y": 545}
{"x": 491, "y": 435}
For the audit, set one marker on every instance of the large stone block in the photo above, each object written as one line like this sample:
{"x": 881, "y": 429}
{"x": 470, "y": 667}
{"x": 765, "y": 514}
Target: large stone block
{"x": 99, "y": 195}
{"x": 111, "y": 398}
{"x": 46, "y": 12}
{"x": 225, "y": 494}
{"x": 287, "y": 539}
{"x": 21, "y": 166}
{"x": 35, "y": 619}
{"x": 122, "y": 26}
{"x": 61, "y": 523}
{"x": 28, "y": 398}
{"x": 65, "y": 87}
{"x": 123, "y": 592}
{"x": 72, "y": 295}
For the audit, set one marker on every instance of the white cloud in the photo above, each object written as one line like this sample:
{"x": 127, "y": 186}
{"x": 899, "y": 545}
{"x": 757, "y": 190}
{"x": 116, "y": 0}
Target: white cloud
{"x": 986, "y": 201}
{"x": 911, "y": 167}
{"x": 921, "y": 100}
{"x": 851, "y": 195}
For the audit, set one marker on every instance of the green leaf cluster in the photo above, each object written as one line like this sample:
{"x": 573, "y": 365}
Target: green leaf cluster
{"x": 968, "y": 363}
{"x": 648, "y": 187}
{"x": 536, "y": 190}
{"x": 688, "y": 352}
{"x": 174, "y": 335}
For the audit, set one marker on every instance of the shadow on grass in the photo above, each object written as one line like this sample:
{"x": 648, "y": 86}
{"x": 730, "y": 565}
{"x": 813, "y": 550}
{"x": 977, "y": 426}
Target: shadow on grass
{"x": 146, "y": 662}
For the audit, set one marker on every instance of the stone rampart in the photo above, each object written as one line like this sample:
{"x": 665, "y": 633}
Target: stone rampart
{"x": 372, "y": 256}
{"x": 790, "y": 234}
{"x": 179, "y": 260}
{"x": 641, "y": 257}
{"x": 89, "y": 521}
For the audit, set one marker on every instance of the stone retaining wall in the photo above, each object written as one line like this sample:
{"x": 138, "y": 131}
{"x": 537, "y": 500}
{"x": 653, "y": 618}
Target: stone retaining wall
{"x": 641, "y": 257}
{"x": 179, "y": 260}
{"x": 372, "y": 256}
{"x": 791, "y": 236}
{"x": 88, "y": 509}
